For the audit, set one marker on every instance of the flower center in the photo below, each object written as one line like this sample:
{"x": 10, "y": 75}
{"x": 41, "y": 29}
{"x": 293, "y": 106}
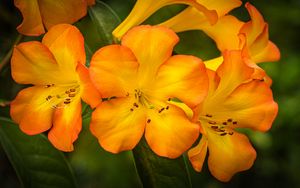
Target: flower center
{"x": 219, "y": 127}
{"x": 61, "y": 95}
{"x": 141, "y": 99}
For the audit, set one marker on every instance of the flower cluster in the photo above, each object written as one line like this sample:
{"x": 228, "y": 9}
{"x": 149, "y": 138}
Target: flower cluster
{"x": 171, "y": 100}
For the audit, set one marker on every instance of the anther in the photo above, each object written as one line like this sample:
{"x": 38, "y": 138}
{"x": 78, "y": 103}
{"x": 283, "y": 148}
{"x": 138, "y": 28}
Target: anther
{"x": 167, "y": 108}
{"x": 131, "y": 109}
{"x": 67, "y": 102}
{"x": 224, "y": 123}
{"x": 67, "y": 92}
{"x": 136, "y": 105}
{"x": 229, "y": 120}
{"x": 68, "y": 99}
{"x": 234, "y": 123}
{"x": 72, "y": 90}
{"x": 212, "y": 122}
{"x": 71, "y": 95}
{"x": 149, "y": 120}
{"x": 231, "y": 133}
{"x": 161, "y": 110}
{"x": 214, "y": 127}
{"x": 223, "y": 134}
{"x": 169, "y": 99}
{"x": 208, "y": 115}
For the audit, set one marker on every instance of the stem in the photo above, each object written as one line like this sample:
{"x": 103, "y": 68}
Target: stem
{"x": 160, "y": 172}
{"x": 6, "y": 58}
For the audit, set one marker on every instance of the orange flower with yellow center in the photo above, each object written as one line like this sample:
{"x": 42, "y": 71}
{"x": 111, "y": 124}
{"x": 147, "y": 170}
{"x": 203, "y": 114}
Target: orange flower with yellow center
{"x": 229, "y": 33}
{"x": 234, "y": 100}
{"x": 145, "y": 8}
{"x": 56, "y": 69}
{"x": 40, "y": 13}
{"x": 140, "y": 77}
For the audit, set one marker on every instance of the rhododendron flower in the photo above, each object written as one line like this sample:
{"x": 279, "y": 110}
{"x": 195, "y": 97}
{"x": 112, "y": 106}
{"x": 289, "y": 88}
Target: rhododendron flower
{"x": 145, "y": 8}
{"x": 40, "y": 13}
{"x": 56, "y": 69}
{"x": 140, "y": 77}
{"x": 229, "y": 33}
{"x": 234, "y": 100}
{"x": 196, "y": 19}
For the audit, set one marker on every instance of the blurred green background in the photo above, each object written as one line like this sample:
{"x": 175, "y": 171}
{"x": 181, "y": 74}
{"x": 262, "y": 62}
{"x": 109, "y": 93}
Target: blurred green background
{"x": 278, "y": 159}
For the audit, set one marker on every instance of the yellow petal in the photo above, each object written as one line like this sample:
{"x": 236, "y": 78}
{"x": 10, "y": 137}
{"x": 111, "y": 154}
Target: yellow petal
{"x": 229, "y": 154}
{"x": 183, "y": 77}
{"x": 145, "y": 8}
{"x": 157, "y": 45}
{"x": 197, "y": 19}
{"x": 32, "y": 20}
{"x": 197, "y": 154}
{"x": 113, "y": 70}
{"x": 118, "y": 125}
{"x": 67, "y": 45}
{"x": 66, "y": 126}
{"x": 33, "y": 63}
{"x": 170, "y": 133}
{"x": 66, "y": 11}
{"x": 213, "y": 64}
{"x": 89, "y": 93}
{"x": 31, "y": 110}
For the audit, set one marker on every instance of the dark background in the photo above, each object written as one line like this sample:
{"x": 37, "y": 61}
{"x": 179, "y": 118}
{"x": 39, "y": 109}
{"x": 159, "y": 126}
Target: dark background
{"x": 278, "y": 159}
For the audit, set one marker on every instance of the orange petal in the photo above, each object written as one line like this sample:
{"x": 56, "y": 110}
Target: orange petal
{"x": 229, "y": 154}
{"x": 118, "y": 125}
{"x": 170, "y": 133}
{"x": 113, "y": 70}
{"x": 32, "y": 20}
{"x": 145, "y": 8}
{"x": 66, "y": 11}
{"x": 160, "y": 43}
{"x": 197, "y": 19}
{"x": 269, "y": 54}
{"x": 33, "y": 63}
{"x": 89, "y": 93}
{"x": 66, "y": 126}
{"x": 225, "y": 32}
{"x": 197, "y": 154}
{"x": 255, "y": 26}
{"x": 67, "y": 45}
{"x": 90, "y": 2}
{"x": 252, "y": 106}
{"x": 30, "y": 110}
{"x": 233, "y": 71}
{"x": 183, "y": 77}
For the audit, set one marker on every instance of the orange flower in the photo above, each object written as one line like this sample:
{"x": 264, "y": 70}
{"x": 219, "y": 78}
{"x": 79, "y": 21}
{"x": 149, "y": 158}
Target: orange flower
{"x": 145, "y": 8}
{"x": 40, "y": 13}
{"x": 56, "y": 69}
{"x": 196, "y": 19}
{"x": 140, "y": 77}
{"x": 234, "y": 100}
{"x": 229, "y": 33}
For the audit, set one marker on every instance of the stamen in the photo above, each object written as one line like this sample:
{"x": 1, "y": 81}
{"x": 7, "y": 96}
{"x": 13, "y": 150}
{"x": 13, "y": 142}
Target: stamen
{"x": 234, "y": 123}
{"x": 229, "y": 120}
{"x": 208, "y": 115}
{"x": 162, "y": 109}
{"x": 223, "y": 134}
{"x": 149, "y": 120}
{"x": 72, "y": 90}
{"x": 167, "y": 108}
{"x": 212, "y": 122}
{"x": 214, "y": 127}
{"x": 131, "y": 109}
{"x": 224, "y": 123}
{"x": 72, "y": 95}
{"x": 136, "y": 105}
{"x": 67, "y": 102}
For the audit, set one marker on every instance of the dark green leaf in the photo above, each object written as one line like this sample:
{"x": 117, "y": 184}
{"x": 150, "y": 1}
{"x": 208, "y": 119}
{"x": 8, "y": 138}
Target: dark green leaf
{"x": 159, "y": 172}
{"x": 105, "y": 20}
{"x": 37, "y": 163}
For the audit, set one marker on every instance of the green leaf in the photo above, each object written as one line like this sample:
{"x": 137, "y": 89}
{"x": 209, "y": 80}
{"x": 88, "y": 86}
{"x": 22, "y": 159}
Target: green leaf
{"x": 105, "y": 20}
{"x": 160, "y": 172}
{"x": 37, "y": 163}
